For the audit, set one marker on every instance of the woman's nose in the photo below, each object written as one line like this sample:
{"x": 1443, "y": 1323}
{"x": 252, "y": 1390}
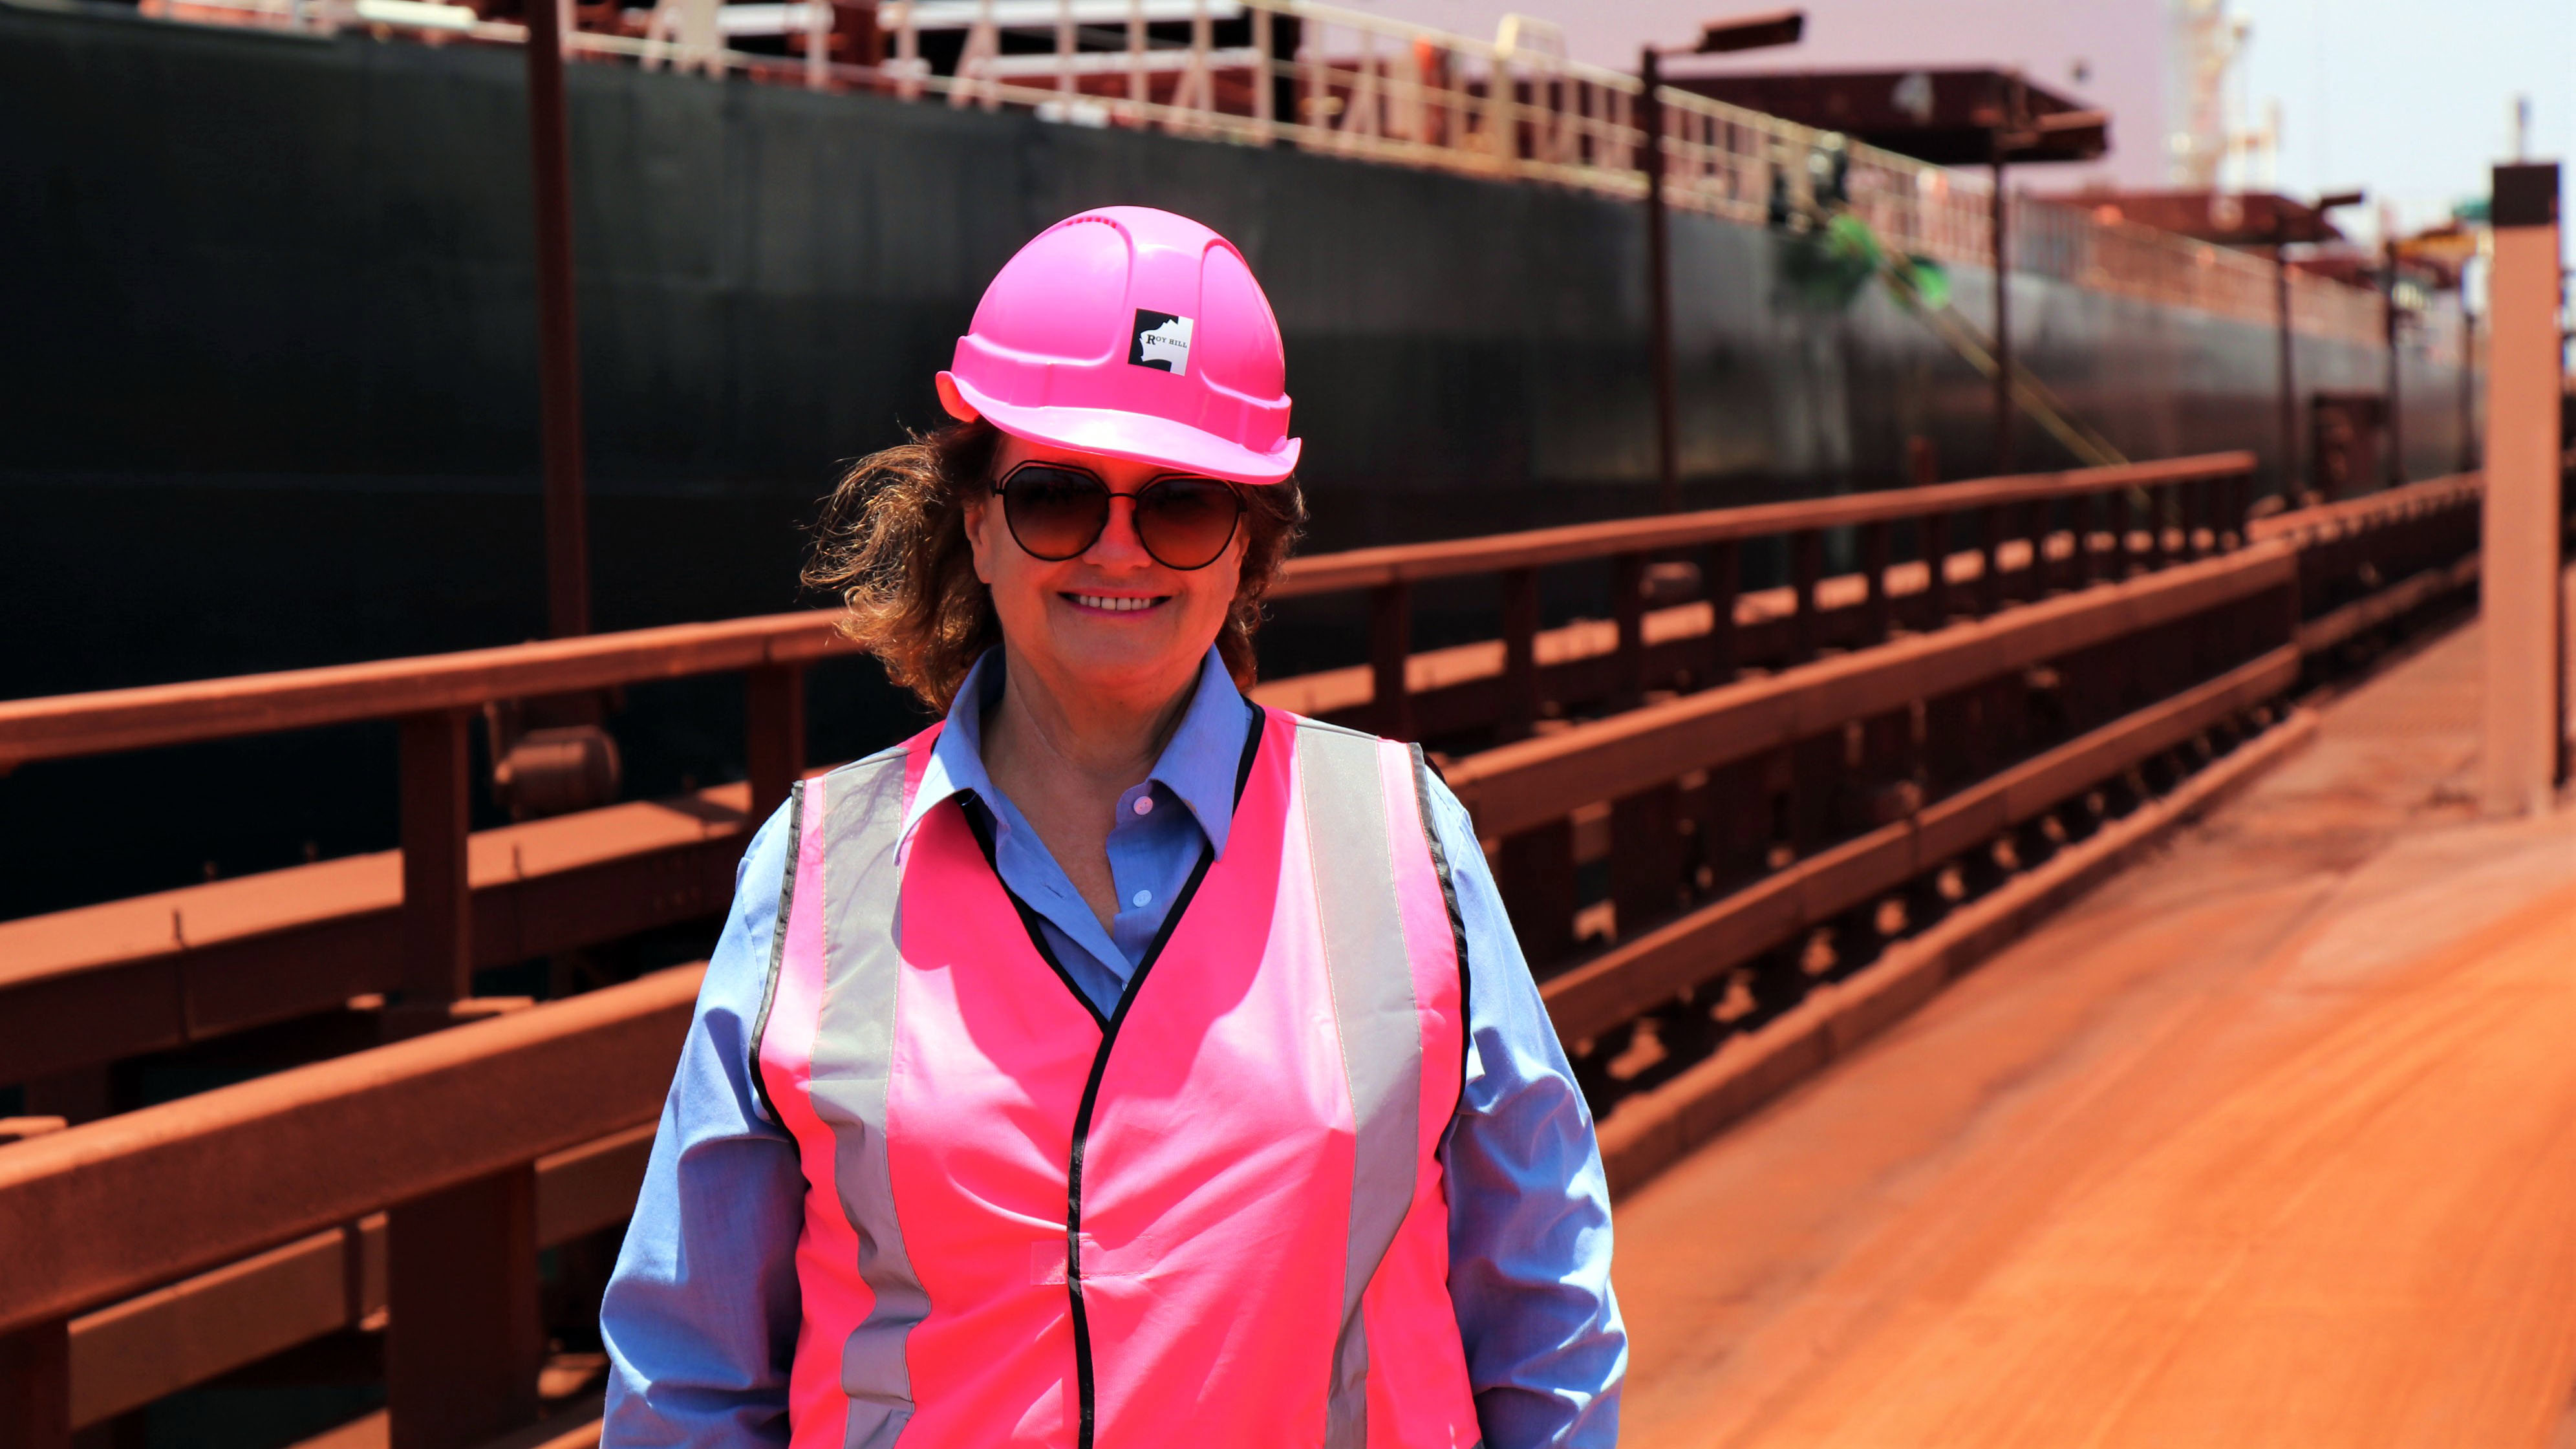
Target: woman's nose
{"x": 1118, "y": 546}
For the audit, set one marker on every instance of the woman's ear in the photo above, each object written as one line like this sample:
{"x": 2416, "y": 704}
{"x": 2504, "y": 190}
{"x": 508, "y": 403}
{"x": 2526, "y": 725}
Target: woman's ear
{"x": 976, "y": 514}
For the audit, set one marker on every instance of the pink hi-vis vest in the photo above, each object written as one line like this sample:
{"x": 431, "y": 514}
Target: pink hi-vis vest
{"x": 1216, "y": 1218}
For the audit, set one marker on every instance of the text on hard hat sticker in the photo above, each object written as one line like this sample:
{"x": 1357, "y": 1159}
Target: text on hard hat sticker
{"x": 1162, "y": 342}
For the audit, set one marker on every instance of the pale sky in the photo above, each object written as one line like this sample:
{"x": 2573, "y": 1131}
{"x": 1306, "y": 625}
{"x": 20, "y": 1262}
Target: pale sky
{"x": 2411, "y": 102}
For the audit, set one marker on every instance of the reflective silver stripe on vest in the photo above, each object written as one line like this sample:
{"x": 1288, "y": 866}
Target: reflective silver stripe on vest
{"x": 1381, "y": 1032}
{"x": 862, "y": 821}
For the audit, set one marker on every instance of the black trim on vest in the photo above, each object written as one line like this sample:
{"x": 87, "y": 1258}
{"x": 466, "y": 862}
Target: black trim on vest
{"x": 778, "y": 948}
{"x": 1251, "y": 748}
{"x": 1423, "y": 773}
{"x": 980, "y": 822}
{"x": 1082, "y": 1135}
{"x": 1091, "y": 1092}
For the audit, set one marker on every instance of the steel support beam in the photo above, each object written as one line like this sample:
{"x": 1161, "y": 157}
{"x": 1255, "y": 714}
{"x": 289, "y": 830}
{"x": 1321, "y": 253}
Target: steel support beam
{"x": 2395, "y": 464}
{"x": 2468, "y": 458}
{"x": 1519, "y": 714}
{"x": 1628, "y": 609}
{"x": 2520, "y": 566}
{"x": 2288, "y": 365}
{"x": 465, "y": 1340}
{"x": 1659, "y": 284}
{"x": 1725, "y": 588}
{"x": 438, "y": 902}
{"x": 1999, "y": 223}
{"x": 558, "y": 336}
{"x": 36, "y": 1384}
{"x": 1390, "y": 646}
{"x": 774, "y": 725}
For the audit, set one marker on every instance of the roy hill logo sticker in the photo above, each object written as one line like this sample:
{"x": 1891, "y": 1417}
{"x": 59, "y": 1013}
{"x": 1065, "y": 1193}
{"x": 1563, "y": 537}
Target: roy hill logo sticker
{"x": 1162, "y": 342}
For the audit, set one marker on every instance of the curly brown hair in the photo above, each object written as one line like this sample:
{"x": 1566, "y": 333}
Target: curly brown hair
{"x": 891, "y": 542}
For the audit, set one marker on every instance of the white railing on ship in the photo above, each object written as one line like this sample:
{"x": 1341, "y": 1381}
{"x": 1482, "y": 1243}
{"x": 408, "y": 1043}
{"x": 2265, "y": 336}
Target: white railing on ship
{"x": 1374, "y": 88}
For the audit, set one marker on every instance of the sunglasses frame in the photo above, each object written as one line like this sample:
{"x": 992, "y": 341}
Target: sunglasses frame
{"x": 1002, "y": 494}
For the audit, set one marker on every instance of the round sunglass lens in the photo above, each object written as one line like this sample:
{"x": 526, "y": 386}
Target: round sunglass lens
{"x": 1055, "y": 513}
{"x": 1186, "y": 522}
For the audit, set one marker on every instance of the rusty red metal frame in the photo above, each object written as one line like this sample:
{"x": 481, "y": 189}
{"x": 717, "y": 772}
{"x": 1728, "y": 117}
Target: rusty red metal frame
{"x": 173, "y": 984}
{"x": 2199, "y": 498}
{"x": 443, "y": 1134}
{"x": 159, "y": 972}
{"x": 1678, "y": 955}
{"x": 1516, "y": 786}
{"x": 134, "y": 1351}
{"x": 140, "y": 1199}
{"x": 428, "y": 947}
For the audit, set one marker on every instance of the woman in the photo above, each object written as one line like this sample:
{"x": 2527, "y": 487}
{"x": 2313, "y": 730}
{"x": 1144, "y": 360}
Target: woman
{"x": 1116, "y": 1063}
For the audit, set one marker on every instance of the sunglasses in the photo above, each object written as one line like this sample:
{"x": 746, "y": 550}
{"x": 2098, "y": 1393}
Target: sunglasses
{"x": 1057, "y": 511}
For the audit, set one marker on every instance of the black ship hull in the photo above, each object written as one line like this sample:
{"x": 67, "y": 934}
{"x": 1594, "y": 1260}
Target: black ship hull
{"x": 269, "y": 394}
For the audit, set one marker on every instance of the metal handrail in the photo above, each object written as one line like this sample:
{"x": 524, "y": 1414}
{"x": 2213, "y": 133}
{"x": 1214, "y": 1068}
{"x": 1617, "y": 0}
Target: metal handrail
{"x": 2371, "y": 510}
{"x": 112, "y": 721}
{"x": 1370, "y": 567}
{"x": 1515, "y": 786}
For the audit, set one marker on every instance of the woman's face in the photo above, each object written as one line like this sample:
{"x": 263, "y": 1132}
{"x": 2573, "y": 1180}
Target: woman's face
{"x": 1110, "y": 620}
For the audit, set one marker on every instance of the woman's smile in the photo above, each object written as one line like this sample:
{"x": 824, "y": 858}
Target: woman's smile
{"x": 1115, "y": 603}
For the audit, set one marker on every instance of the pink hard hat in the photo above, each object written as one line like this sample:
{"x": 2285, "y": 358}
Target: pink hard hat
{"x": 1135, "y": 333}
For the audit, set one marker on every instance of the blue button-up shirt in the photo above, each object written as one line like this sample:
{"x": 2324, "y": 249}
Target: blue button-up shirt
{"x": 700, "y": 1319}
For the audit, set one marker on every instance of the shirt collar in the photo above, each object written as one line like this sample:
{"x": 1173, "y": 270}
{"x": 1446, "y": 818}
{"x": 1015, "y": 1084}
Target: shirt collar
{"x": 1197, "y": 767}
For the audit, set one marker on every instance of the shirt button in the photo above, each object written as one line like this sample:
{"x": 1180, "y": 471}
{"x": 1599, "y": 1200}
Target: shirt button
{"x": 1144, "y": 804}
{"x": 1142, "y": 899}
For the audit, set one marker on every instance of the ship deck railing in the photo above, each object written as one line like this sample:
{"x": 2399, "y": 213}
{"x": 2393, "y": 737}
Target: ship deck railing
{"x": 1346, "y": 83}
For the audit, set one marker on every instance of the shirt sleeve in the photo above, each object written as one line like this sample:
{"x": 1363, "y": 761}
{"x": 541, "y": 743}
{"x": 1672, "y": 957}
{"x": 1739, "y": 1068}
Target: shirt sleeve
{"x": 1529, "y": 1206}
{"x": 700, "y": 1317}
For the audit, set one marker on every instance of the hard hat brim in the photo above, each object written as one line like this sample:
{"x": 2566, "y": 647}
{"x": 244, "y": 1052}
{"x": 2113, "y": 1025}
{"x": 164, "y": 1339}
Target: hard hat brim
{"x": 1136, "y": 437}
